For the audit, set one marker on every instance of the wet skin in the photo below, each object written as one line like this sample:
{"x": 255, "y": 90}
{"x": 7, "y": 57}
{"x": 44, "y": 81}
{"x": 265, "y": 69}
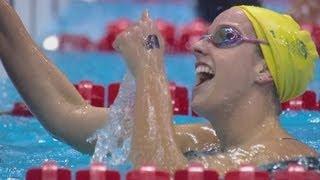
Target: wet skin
{"x": 238, "y": 101}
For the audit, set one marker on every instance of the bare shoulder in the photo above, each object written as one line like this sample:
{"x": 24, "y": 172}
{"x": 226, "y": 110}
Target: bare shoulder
{"x": 203, "y": 131}
{"x": 199, "y": 127}
{"x": 196, "y": 137}
{"x": 286, "y": 149}
{"x": 295, "y": 148}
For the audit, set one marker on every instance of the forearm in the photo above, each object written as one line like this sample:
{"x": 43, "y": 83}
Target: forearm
{"x": 48, "y": 93}
{"x": 40, "y": 83}
{"x": 35, "y": 77}
{"x": 153, "y": 135}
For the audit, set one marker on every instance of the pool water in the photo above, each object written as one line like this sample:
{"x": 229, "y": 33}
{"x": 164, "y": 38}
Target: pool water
{"x": 24, "y": 143}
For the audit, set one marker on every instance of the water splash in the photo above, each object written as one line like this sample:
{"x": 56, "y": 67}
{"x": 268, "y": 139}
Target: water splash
{"x": 114, "y": 139}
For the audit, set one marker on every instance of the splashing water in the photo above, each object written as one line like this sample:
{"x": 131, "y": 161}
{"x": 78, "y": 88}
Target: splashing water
{"x": 114, "y": 139}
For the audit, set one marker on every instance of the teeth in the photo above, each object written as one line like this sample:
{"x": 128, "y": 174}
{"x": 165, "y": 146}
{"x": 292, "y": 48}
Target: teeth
{"x": 204, "y": 69}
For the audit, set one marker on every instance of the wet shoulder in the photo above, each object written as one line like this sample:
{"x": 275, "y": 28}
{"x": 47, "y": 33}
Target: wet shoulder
{"x": 291, "y": 148}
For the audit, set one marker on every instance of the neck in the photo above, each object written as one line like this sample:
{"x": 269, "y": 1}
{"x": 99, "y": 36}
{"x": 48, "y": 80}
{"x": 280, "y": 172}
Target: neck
{"x": 249, "y": 119}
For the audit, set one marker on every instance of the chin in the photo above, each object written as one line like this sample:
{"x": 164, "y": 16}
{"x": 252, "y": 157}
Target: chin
{"x": 201, "y": 107}
{"x": 206, "y": 106}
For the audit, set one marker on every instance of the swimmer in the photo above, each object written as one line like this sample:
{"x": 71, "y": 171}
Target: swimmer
{"x": 243, "y": 75}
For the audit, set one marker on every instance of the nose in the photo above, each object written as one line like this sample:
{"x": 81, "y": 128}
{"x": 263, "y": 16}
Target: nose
{"x": 198, "y": 49}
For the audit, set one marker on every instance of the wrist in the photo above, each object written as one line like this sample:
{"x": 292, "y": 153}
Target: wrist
{"x": 147, "y": 66}
{"x": 149, "y": 71}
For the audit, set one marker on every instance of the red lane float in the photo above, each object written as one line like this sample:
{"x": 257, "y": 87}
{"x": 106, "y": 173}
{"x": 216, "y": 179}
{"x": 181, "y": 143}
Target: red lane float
{"x": 296, "y": 172}
{"x": 180, "y": 99}
{"x": 307, "y": 101}
{"x": 113, "y": 90}
{"x": 49, "y": 170}
{"x": 168, "y": 32}
{"x": 94, "y": 94}
{"x": 179, "y": 95}
{"x": 20, "y": 109}
{"x": 247, "y": 173}
{"x": 69, "y": 42}
{"x": 196, "y": 173}
{"x": 148, "y": 173}
{"x": 97, "y": 171}
{"x": 112, "y": 30}
{"x": 190, "y": 34}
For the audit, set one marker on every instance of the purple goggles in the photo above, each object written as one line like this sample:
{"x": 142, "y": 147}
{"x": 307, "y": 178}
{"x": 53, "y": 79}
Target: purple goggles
{"x": 227, "y": 37}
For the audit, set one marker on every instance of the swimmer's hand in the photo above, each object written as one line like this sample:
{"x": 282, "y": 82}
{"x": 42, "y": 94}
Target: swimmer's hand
{"x": 141, "y": 45}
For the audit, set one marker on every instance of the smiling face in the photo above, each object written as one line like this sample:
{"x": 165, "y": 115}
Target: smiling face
{"x": 224, "y": 74}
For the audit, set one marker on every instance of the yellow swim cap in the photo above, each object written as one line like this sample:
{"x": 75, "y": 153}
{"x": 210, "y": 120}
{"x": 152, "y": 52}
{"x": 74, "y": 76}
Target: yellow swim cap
{"x": 291, "y": 53}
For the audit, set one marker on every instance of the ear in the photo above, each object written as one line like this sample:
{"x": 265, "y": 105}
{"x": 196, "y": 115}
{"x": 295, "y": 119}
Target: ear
{"x": 263, "y": 74}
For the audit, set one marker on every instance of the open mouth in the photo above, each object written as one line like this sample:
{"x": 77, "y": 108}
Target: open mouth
{"x": 204, "y": 73}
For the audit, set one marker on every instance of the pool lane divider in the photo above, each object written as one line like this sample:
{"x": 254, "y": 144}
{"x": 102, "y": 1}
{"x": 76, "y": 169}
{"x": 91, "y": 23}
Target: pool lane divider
{"x": 99, "y": 96}
{"x": 247, "y": 172}
{"x": 97, "y": 171}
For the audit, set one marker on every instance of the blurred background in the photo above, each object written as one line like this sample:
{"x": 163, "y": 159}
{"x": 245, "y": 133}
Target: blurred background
{"x": 37, "y": 14}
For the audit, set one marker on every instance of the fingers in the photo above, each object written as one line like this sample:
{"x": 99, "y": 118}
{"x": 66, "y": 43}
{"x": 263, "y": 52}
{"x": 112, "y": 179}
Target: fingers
{"x": 116, "y": 46}
{"x": 145, "y": 21}
{"x": 139, "y": 33}
{"x": 132, "y": 33}
{"x": 145, "y": 16}
{"x": 118, "y": 41}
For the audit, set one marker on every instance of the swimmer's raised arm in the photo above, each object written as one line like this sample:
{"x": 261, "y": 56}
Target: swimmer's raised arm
{"x": 153, "y": 140}
{"x": 48, "y": 93}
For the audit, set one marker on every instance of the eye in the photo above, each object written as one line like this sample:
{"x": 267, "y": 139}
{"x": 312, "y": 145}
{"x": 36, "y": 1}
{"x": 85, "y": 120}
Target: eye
{"x": 226, "y": 37}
